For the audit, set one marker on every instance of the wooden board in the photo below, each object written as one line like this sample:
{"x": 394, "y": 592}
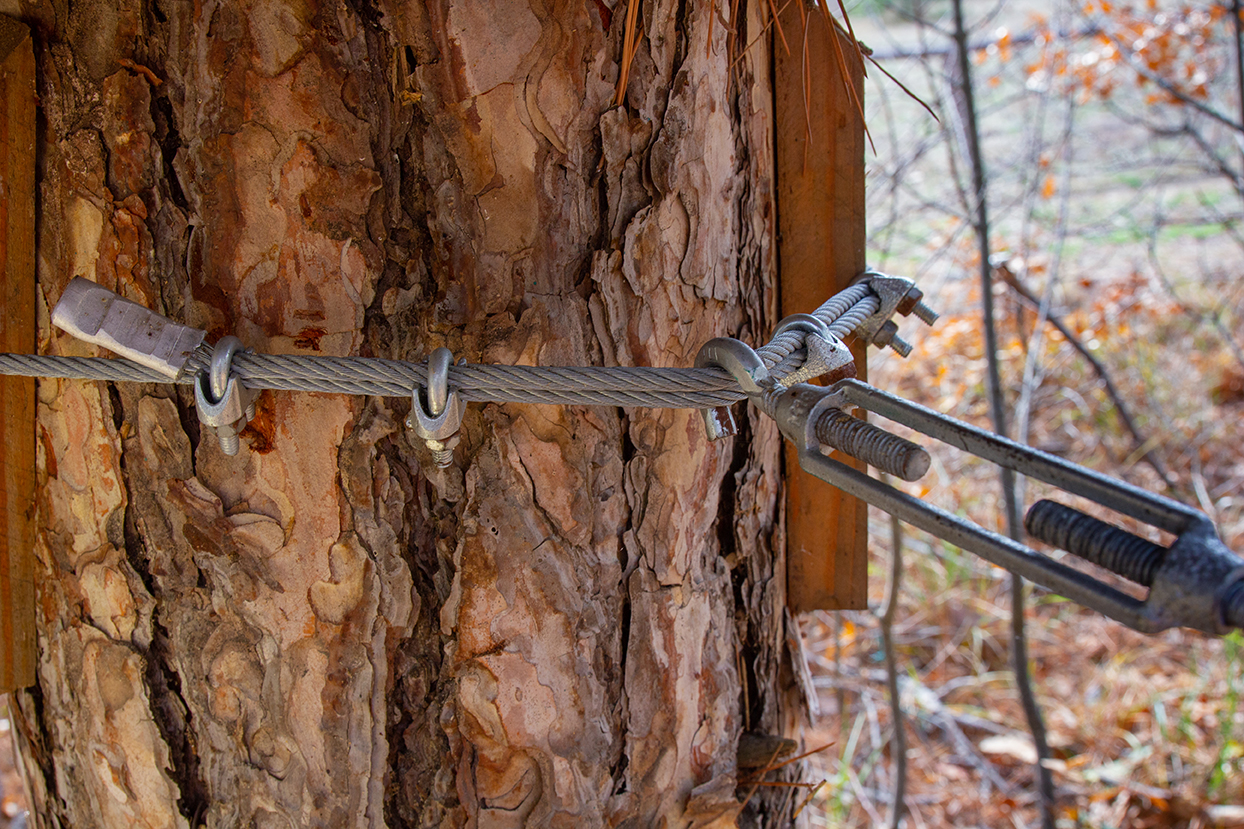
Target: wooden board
{"x": 820, "y": 187}
{"x": 17, "y": 334}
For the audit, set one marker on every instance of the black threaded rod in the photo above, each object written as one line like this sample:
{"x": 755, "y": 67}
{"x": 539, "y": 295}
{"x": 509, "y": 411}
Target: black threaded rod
{"x": 875, "y": 446}
{"x": 1083, "y": 535}
{"x": 1233, "y": 605}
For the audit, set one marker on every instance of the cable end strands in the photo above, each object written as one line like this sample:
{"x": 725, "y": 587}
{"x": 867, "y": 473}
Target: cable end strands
{"x": 95, "y": 314}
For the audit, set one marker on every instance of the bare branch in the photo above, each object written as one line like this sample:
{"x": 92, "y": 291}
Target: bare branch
{"x": 1121, "y": 408}
{"x": 1019, "y": 645}
{"x": 1169, "y": 88}
{"x": 898, "y": 743}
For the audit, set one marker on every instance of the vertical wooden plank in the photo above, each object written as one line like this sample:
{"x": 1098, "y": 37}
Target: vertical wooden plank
{"x": 17, "y": 334}
{"x": 820, "y": 185}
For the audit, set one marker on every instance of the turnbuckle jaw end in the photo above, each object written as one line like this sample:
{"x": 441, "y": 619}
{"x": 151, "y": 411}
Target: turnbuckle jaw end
{"x": 813, "y": 417}
{"x": 1198, "y": 584}
{"x": 797, "y": 410}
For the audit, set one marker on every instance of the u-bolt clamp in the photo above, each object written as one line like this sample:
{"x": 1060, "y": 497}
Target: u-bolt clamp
{"x": 745, "y": 366}
{"x": 827, "y": 355}
{"x": 438, "y": 419}
{"x": 896, "y": 295}
{"x": 223, "y": 403}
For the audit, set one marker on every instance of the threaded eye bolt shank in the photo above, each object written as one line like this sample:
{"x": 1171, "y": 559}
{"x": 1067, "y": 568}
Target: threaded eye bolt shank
{"x": 871, "y": 444}
{"x": 1083, "y": 535}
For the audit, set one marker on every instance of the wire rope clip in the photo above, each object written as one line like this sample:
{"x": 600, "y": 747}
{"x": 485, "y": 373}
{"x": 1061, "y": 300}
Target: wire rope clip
{"x": 223, "y": 403}
{"x": 745, "y": 366}
{"x": 95, "y": 314}
{"x": 436, "y": 414}
{"x": 897, "y": 296}
{"x": 827, "y": 355}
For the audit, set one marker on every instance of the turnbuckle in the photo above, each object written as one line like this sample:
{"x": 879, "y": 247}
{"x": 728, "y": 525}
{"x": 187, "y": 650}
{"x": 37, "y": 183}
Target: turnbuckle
{"x": 1197, "y": 582}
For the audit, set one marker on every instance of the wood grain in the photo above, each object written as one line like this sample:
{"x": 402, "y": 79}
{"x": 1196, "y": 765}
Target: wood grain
{"x": 820, "y": 185}
{"x": 17, "y": 334}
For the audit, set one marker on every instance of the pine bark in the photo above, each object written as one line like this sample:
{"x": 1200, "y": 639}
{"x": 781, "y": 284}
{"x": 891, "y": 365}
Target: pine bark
{"x": 570, "y": 627}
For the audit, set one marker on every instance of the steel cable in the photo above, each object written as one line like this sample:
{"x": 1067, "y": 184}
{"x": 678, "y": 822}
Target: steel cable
{"x": 630, "y": 386}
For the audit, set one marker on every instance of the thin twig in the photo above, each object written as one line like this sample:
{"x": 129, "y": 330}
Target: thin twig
{"x": 1140, "y": 442}
{"x": 898, "y": 744}
{"x": 1019, "y": 643}
{"x": 1238, "y": 29}
{"x": 767, "y": 768}
{"x": 868, "y": 54}
{"x": 1201, "y": 316}
{"x": 807, "y": 800}
{"x": 1169, "y": 88}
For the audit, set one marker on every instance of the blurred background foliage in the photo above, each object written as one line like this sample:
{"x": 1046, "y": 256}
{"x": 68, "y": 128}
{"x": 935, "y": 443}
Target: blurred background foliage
{"x": 1112, "y": 140}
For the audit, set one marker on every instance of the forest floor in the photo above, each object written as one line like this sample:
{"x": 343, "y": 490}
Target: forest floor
{"x": 1137, "y": 242}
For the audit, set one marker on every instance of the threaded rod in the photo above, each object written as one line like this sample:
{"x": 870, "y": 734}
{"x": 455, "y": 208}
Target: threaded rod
{"x": 876, "y": 447}
{"x": 1083, "y": 535}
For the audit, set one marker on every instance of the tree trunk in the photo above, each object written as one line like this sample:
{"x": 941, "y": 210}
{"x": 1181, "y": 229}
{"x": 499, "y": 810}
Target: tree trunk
{"x": 571, "y": 626}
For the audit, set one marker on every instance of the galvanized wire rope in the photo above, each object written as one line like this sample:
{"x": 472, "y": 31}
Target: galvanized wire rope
{"x": 567, "y": 385}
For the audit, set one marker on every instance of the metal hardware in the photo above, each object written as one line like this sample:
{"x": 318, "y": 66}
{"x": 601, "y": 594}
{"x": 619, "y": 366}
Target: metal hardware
{"x": 744, "y": 365}
{"x": 819, "y": 416}
{"x": 887, "y": 334}
{"x": 896, "y": 295}
{"x": 871, "y": 444}
{"x": 810, "y": 416}
{"x": 827, "y": 355}
{"x": 223, "y": 403}
{"x": 1196, "y": 583}
{"x": 439, "y": 422}
{"x": 1083, "y": 535}
{"x": 912, "y": 303}
{"x": 93, "y": 313}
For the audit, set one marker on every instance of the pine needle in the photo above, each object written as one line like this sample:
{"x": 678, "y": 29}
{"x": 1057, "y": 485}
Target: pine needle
{"x": 868, "y": 54}
{"x": 773, "y": 21}
{"x": 846, "y": 18}
{"x": 630, "y": 42}
{"x": 807, "y": 800}
{"x": 839, "y": 55}
{"x": 774, "y": 14}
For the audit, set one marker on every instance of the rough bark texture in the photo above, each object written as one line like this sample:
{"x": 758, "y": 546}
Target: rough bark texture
{"x": 569, "y": 628}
